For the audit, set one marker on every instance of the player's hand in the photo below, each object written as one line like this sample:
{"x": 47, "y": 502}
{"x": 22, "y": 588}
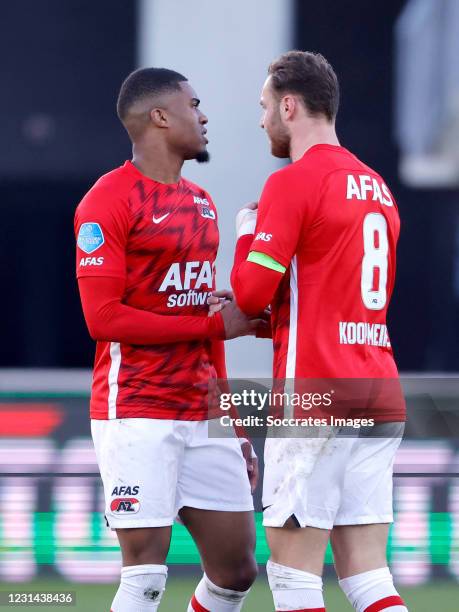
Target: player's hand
{"x": 237, "y": 323}
{"x": 246, "y": 219}
{"x": 218, "y": 300}
{"x": 251, "y": 461}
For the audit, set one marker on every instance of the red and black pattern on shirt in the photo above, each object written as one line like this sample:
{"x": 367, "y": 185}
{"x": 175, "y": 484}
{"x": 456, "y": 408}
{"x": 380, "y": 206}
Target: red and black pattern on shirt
{"x": 164, "y": 243}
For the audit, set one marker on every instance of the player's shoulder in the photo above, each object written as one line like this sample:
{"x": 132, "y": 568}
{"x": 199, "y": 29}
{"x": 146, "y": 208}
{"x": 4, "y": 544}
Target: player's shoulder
{"x": 312, "y": 164}
{"x": 321, "y": 159}
{"x": 364, "y": 172}
{"x": 290, "y": 179}
{"x": 346, "y": 171}
{"x": 111, "y": 190}
{"x": 120, "y": 179}
{"x": 361, "y": 167}
{"x": 119, "y": 182}
{"x": 281, "y": 178}
{"x": 325, "y": 159}
{"x": 331, "y": 162}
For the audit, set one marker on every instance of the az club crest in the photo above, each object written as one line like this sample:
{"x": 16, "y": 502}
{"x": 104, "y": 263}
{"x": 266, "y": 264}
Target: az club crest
{"x": 125, "y": 505}
{"x": 207, "y": 212}
{"x": 204, "y": 207}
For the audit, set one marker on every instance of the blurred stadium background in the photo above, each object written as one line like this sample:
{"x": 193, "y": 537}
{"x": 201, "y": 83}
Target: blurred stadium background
{"x": 63, "y": 63}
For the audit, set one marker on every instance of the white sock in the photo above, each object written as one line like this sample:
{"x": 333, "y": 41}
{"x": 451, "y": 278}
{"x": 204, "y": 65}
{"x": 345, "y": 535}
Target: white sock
{"x": 294, "y": 589}
{"x": 141, "y": 588}
{"x": 374, "y": 590}
{"x": 209, "y": 597}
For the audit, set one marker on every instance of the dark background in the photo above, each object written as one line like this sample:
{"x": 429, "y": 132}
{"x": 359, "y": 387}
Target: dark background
{"x": 423, "y": 313}
{"x": 63, "y": 73}
{"x": 60, "y": 132}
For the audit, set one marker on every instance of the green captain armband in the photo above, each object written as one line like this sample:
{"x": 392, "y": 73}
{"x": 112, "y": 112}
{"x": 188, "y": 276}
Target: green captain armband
{"x": 266, "y": 261}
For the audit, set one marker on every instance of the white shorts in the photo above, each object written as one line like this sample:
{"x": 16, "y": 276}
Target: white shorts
{"x": 325, "y": 482}
{"x": 151, "y": 468}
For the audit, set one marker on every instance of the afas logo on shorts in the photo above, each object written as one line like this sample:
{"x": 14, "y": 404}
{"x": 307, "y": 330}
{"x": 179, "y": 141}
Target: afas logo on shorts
{"x": 128, "y": 490}
{"x": 125, "y": 505}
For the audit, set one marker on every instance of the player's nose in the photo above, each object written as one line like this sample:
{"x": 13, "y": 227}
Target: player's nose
{"x": 262, "y": 120}
{"x": 203, "y": 119}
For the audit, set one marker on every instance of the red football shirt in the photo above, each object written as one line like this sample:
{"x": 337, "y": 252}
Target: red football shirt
{"x": 163, "y": 241}
{"x": 333, "y": 223}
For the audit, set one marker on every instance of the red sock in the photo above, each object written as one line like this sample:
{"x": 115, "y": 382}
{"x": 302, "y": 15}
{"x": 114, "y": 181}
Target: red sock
{"x": 386, "y": 602}
{"x": 306, "y": 610}
{"x": 197, "y": 606}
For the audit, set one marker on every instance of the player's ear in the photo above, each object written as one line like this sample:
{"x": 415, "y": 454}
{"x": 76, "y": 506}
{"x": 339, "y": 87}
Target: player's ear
{"x": 287, "y": 106}
{"x": 159, "y": 117}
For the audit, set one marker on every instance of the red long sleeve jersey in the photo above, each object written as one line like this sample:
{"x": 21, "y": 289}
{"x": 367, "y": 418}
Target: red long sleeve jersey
{"x": 162, "y": 240}
{"x": 332, "y": 224}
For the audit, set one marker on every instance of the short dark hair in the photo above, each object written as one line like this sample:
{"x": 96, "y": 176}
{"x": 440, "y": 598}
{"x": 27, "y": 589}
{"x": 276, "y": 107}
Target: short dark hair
{"x": 310, "y": 76}
{"x": 146, "y": 82}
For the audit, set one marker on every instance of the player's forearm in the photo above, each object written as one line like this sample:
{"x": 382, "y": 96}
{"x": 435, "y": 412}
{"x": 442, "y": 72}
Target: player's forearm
{"x": 116, "y": 322}
{"x": 240, "y": 282}
{"x": 108, "y": 319}
{"x": 217, "y": 356}
{"x": 253, "y": 285}
{"x": 265, "y": 331}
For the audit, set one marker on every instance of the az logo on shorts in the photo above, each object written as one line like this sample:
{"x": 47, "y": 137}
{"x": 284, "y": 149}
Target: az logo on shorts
{"x": 125, "y": 505}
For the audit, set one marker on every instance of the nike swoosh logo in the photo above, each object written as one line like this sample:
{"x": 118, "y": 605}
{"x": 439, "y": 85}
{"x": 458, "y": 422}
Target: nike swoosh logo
{"x": 159, "y": 219}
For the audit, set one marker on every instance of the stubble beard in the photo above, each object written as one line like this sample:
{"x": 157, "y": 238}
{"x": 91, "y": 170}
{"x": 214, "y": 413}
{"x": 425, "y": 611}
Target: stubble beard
{"x": 280, "y": 140}
{"x": 280, "y": 147}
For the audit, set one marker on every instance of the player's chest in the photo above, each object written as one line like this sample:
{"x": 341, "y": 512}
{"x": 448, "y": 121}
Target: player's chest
{"x": 173, "y": 224}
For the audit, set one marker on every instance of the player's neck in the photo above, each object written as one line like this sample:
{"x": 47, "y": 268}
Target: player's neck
{"x": 161, "y": 166}
{"x": 308, "y": 136}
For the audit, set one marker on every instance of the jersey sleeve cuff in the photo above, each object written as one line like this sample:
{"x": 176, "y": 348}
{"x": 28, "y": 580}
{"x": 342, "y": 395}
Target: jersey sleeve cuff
{"x": 217, "y": 327}
{"x": 107, "y": 273}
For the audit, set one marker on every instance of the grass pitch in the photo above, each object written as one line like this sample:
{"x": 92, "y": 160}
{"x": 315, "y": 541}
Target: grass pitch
{"x": 435, "y": 597}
